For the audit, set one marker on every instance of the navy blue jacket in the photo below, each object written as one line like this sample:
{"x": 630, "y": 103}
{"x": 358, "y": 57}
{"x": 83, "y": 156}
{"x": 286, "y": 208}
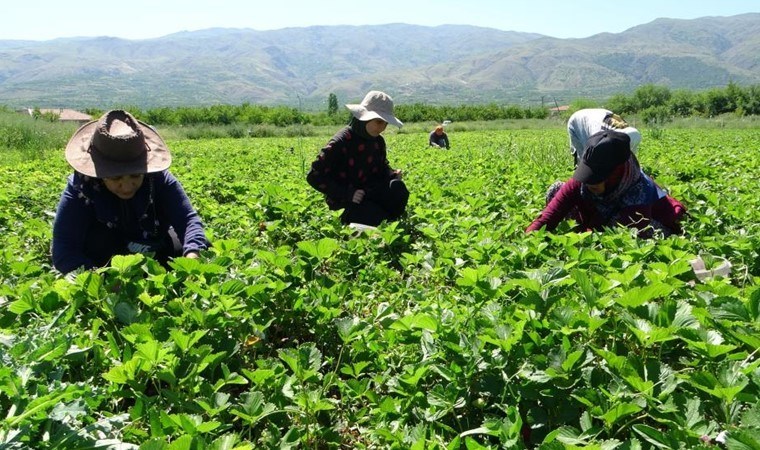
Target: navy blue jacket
{"x": 441, "y": 141}
{"x": 158, "y": 204}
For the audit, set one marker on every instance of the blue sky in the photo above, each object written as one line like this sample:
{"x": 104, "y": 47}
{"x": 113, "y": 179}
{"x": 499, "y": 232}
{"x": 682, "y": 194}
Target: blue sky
{"x": 143, "y": 19}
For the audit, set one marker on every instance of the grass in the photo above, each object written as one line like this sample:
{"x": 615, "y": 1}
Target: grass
{"x": 23, "y": 138}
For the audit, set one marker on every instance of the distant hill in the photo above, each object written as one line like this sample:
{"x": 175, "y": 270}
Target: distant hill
{"x": 444, "y": 65}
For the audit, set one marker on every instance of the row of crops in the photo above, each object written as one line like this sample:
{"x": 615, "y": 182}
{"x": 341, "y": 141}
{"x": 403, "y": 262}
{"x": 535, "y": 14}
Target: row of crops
{"x": 449, "y": 329}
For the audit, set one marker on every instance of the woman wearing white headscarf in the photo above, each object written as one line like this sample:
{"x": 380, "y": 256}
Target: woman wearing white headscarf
{"x": 586, "y": 122}
{"x": 607, "y": 189}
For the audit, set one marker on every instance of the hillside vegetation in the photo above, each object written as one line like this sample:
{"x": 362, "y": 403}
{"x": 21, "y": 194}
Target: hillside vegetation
{"x": 300, "y": 67}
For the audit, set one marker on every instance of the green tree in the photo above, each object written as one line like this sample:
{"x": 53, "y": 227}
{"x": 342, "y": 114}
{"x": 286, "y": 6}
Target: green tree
{"x": 738, "y": 98}
{"x": 717, "y": 102}
{"x": 581, "y": 103}
{"x": 683, "y": 103}
{"x": 752, "y": 102}
{"x": 332, "y": 104}
{"x": 621, "y": 104}
{"x": 656, "y": 115}
{"x": 649, "y": 96}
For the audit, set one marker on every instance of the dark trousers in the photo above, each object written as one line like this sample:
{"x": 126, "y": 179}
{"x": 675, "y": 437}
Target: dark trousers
{"x": 386, "y": 202}
{"x": 103, "y": 243}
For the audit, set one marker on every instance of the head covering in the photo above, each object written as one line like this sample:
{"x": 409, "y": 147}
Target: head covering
{"x": 359, "y": 128}
{"x": 615, "y": 122}
{"x": 376, "y": 105}
{"x": 632, "y": 188}
{"x": 635, "y": 136}
{"x": 603, "y": 152}
{"x": 117, "y": 144}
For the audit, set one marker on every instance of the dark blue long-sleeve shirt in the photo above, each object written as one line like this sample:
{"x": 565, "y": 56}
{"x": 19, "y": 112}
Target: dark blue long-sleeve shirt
{"x": 440, "y": 140}
{"x": 159, "y": 203}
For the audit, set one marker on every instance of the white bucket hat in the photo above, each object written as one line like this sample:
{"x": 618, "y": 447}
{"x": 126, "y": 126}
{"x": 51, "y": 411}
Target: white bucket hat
{"x": 376, "y": 105}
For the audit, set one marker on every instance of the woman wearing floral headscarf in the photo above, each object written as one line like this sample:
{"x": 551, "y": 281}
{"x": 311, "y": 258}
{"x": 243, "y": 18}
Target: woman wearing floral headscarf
{"x": 121, "y": 198}
{"x": 352, "y": 170}
{"x": 608, "y": 188}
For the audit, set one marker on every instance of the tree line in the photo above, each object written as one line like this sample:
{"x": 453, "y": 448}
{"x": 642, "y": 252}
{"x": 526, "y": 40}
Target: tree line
{"x": 249, "y": 114}
{"x": 658, "y": 104}
{"x": 652, "y": 103}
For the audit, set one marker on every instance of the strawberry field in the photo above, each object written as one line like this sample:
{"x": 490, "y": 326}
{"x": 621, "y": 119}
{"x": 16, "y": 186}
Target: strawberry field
{"x": 450, "y": 329}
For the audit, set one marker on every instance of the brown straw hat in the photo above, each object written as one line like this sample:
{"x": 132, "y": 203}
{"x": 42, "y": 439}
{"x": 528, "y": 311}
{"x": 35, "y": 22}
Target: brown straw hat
{"x": 376, "y": 105}
{"x": 117, "y": 144}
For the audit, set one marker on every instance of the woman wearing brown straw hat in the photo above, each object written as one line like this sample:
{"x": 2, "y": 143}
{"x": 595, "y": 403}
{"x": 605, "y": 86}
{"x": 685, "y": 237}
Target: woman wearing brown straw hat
{"x": 352, "y": 170}
{"x": 607, "y": 189}
{"x": 121, "y": 198}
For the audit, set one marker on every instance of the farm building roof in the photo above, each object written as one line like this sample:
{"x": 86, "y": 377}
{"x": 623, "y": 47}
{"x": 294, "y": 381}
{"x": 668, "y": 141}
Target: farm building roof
{"x": 64, "y": 114}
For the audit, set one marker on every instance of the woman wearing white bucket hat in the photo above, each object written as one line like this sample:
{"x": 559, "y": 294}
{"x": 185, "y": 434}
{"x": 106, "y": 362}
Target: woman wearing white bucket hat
{"x": 121, "y": 198}
{"x": 352, "y": 170}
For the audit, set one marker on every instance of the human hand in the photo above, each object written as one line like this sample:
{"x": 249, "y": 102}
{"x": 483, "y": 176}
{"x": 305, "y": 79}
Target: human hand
{"x": 192, "y": 255}
{"x": 358, "y": 196}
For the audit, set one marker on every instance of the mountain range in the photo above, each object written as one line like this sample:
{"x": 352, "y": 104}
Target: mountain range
{"x": 449, "y": 64}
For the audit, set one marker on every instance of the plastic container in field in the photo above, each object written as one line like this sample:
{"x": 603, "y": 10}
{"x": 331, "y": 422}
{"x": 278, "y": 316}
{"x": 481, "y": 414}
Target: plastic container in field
{"x": 361, "y": 228}
{"x": 719, "y": 267}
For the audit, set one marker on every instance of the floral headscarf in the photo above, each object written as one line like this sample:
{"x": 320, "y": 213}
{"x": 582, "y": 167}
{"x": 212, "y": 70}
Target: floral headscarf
{"x": 626, "y": 186}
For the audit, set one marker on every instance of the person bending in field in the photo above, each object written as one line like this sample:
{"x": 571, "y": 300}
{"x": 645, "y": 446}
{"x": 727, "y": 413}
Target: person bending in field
{"x": 438, "y": 138}
{"x": 352, "y": 170}
{"x": 585, "y": 122}
{"x": 607, "y": 189}
{"x": 121, "y": 198}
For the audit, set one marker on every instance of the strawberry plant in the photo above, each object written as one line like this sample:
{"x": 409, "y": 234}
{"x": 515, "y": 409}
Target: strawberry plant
{"x": 449, "y": 329}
